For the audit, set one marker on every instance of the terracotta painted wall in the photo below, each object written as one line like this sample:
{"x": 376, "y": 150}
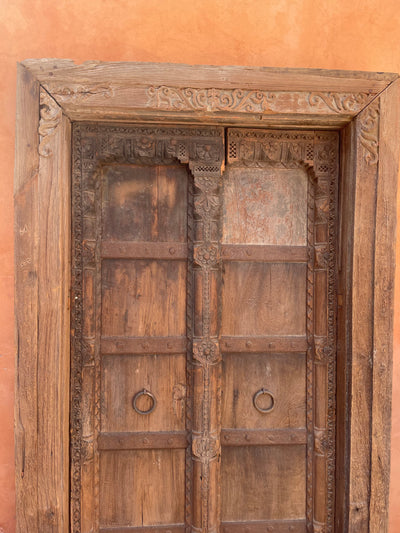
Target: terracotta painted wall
{"x": 332, "y": 34}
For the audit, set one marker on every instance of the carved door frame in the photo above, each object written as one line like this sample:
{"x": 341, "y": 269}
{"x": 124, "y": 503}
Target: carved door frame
{"x": 363, "y": 106}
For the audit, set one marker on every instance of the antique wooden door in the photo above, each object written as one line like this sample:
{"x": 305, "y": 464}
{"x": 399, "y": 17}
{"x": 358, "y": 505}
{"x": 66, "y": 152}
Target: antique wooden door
{"x": 203, "y": 362}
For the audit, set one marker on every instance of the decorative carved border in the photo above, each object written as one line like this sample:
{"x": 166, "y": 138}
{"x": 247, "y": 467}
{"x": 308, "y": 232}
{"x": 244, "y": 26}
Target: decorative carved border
{"x": 251, "y": 101}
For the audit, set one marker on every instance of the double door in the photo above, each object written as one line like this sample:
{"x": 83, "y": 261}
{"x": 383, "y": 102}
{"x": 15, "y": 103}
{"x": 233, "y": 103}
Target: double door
{"x": 203, "y": 375}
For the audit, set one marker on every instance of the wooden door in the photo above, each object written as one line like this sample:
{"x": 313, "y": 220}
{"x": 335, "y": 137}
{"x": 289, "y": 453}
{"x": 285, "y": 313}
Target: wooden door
{"x": 203, "y": 372}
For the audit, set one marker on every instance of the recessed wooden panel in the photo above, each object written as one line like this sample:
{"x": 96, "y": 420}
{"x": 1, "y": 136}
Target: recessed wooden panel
{"x": 278, "y": 373}
{"x": 264, "y": 299}
{"x": 144, "y": 203}
{"x": 130, "y": 483}
{"x": 124, "y": 376}
{"x": 143, "y": 297}
{"x": 265, "y": 206}
{"x": 263, "y": 482}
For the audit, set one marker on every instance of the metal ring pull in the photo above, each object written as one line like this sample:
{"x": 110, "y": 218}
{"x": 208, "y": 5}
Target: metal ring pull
{"x": 263, "y": 392}
{"x": 144, "y": 392}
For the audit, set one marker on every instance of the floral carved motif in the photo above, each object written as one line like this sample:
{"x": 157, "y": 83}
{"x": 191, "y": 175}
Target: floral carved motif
{"x": 206, "y": 255}
{"x": 206, "y": 351}
{"x": 50, "y": 116}
{"x": 369, "y": 123}
{"x": 79, "y": 93}
{"x": 340, "y": 102}
{"x": 252, "y": 101}
{"x": 206, "y": 447}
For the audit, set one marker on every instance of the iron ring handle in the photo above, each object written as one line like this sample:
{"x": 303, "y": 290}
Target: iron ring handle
{"x": 263, "y": 392}
{"x": 144, "y": 392}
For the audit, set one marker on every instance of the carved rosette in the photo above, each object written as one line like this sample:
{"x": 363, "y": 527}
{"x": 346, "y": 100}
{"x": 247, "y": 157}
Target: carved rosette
{"x": 206, "y": 351}
{"x": 205, "y": 448}
{"x": 206, "y": 255}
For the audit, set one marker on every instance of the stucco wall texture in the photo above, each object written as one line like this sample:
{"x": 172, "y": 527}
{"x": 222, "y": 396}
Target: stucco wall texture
{"x": 330, "y": 34}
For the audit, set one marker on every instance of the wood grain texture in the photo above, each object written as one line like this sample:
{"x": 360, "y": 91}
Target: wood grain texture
{"x": 127, "y": 91}
{"x": 362, "y": 322}
{"x": 141, "y": 473}
{"x": 263, "y": 482}
{"x": 26, "y": 299}
{"x": 384, "y": 266}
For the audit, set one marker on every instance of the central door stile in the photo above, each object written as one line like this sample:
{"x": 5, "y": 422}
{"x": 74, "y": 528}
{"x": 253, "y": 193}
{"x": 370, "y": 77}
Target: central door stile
{"x": 206, "y": 447}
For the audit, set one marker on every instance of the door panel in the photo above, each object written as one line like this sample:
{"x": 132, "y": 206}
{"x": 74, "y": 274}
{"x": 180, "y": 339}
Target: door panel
{"x": 263, "y": 298}
{"x": 203, "y": 392}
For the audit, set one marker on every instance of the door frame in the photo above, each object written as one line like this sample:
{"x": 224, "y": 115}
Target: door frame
{"x": 364, "y": 106}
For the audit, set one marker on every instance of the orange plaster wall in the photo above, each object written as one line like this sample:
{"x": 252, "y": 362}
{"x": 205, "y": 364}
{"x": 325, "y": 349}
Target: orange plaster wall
{"x": 332, "y": 34}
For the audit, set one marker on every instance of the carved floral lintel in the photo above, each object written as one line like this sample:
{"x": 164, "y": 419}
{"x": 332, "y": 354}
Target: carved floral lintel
{"x": 252, "y": 101}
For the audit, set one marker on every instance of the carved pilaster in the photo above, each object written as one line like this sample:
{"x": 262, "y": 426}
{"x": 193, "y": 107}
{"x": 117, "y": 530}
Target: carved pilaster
{"x": 206, "y": 446}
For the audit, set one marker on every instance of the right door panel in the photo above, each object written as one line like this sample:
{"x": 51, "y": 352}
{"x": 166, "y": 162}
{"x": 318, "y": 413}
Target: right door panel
{"x": 278, "y": 331}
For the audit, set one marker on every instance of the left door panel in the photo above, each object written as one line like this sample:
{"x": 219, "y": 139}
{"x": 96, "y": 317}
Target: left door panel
{"x": 134, "y": 377}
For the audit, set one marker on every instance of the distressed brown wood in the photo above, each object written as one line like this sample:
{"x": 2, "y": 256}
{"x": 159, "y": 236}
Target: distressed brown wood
{"x": 272, "y": 254}
{"x": 291, "y": 343}
{"x": 142, "y": 345}
{"x": 243, "y": 437}
{"x": 132, "y": 441}
{"x": 275, "y": 526}
{"x": 182, "y": 94}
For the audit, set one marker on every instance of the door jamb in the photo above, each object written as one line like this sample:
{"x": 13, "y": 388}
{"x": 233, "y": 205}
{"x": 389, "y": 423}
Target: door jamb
{"x": 364, "y": 106}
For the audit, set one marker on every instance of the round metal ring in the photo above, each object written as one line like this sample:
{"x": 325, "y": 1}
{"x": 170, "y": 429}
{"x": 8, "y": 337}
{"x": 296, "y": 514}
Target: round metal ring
{"x": 263, "y": 392}
{"x": 144, "y": 392}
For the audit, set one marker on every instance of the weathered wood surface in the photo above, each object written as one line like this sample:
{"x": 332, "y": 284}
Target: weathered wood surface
{"x": 263, "y": 96}
{"x": 42, "y": 200}
{"x": 384, "y": 263}
{"x": 91, "y": 91}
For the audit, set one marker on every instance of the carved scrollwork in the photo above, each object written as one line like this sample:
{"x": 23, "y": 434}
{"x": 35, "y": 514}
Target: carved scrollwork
{"x": 252, "y": 101}
{"x": 50, "y": 116}
{"x": 369, "y": 135}
{"x": 340, "y": 102}
{"x": 79, "y": 93}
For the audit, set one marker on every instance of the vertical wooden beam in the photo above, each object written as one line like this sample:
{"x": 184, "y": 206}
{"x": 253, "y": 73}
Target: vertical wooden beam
{"x": 206, "y": 448}
{"x": 26, "y": 299}
{"x": 385, "y": 244}
{"x": 343, "y": 376}
{"x": 53, "y": 209}
{"x": 366, "y": 173}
